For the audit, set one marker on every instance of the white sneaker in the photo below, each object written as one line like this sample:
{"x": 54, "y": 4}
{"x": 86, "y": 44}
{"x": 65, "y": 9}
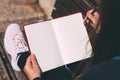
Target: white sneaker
{"x": 14, "y": 43}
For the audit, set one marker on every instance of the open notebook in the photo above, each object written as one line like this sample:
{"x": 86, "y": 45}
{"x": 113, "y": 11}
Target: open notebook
{"x": 59, "y": 41}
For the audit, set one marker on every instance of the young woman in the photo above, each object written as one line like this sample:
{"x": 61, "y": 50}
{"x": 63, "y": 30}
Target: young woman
{"x": 106, "y": 59}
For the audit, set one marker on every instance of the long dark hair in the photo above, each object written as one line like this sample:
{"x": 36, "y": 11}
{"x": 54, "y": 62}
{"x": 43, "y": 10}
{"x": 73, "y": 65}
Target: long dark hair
{"x": 107, "y": 44}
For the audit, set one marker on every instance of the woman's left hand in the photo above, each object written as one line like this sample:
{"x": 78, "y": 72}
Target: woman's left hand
{"x": 31, "y": 68}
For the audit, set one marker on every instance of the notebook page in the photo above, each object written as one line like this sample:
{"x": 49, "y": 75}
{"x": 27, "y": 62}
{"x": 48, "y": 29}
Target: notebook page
{"x": 72, "y": 38}
{"x": 43, "y": 44}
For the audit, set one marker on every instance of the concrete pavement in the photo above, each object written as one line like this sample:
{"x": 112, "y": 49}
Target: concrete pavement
{"x": 11, "y": 11}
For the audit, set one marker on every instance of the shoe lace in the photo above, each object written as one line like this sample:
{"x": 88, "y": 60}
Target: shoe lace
{"x": 19, "y": 42}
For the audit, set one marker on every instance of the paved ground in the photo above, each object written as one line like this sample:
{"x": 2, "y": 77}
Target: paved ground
{"x": 17, "y": 13}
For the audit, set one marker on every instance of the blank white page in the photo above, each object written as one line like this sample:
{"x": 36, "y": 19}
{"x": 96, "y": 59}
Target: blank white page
{"x": 42, "y": 41}
{"x": 72, "y": 38}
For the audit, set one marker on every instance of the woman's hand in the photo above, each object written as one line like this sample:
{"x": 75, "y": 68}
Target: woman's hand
{"x": 31, "y": 68}
{"x": 93, "y": 20}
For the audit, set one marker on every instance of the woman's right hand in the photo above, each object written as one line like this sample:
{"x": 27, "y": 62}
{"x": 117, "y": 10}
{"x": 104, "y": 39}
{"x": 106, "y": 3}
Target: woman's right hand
{"x": 93, "y": 20}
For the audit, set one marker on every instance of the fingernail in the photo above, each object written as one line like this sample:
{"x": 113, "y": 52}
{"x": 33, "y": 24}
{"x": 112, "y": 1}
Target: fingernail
{"x": 87, "y": 21}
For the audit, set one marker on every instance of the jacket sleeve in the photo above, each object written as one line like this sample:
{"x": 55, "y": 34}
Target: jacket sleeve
{"x": 38, "y": 78}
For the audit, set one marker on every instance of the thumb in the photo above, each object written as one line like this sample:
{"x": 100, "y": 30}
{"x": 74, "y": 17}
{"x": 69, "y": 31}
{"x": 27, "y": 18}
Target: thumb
{"x": 28, "y": 61}
{"x": 34, "y": 61}
{"x": 28, "y": 65}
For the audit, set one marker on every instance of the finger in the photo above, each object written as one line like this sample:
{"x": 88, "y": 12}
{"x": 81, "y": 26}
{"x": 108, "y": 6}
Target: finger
{"x": 96, "y": 14}
{"x": 90, "y": 16}
{"x": 34, "y": 61}
{"x": 87, "y": 21}
{"x": 92, "y": 25}
{"x": 27, "y": 64}
{"x": 28, "y": 61}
